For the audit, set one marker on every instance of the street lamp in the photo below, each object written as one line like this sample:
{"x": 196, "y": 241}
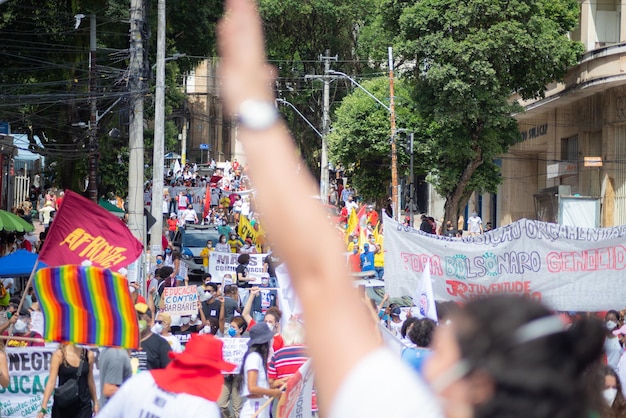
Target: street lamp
{"x": 411, "y": 191}
{"x": 394, "y": 156}
{"x": 283, "y": 101}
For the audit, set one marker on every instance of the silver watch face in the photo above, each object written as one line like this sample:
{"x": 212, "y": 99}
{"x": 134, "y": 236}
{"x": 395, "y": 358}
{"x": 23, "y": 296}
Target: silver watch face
{"x": 257, "y": 114}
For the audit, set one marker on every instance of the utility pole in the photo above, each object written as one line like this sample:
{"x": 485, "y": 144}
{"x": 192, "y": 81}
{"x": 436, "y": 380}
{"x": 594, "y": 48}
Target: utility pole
{"x": 325, "y": 126}
{"x": 183, "y": 144}
{"x": 411, "y": 185}
{"x": 93, "y": 117}
{"x": 159, "y": 136}
{"x": 325, "y": 122}
{"x": 394, "y": 153}
{"x": 135, "y": 130}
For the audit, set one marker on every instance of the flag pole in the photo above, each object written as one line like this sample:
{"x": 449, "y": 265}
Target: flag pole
{"x": 269, "y": 401}
{"x": 28, "y": 284}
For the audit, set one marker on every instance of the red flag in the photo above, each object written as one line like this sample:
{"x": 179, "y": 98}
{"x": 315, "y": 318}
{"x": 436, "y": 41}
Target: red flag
{"x": 83, "y": 231}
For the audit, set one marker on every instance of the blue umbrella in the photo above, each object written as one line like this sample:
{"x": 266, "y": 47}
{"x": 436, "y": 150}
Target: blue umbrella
{"x": 19, "y": 264}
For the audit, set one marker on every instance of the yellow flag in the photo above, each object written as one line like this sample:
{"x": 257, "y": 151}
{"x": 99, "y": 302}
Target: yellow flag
{"x": 353, "y": 223}
{"x": 246, "y": 230}
{"x": 376, "y": 233}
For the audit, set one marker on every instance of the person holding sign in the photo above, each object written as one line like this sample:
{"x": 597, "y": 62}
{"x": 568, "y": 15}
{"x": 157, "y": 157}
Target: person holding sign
{"x": 230, "y": 392}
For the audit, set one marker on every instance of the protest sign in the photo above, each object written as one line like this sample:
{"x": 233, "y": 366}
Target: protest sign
{"x": 568, "y": 268}
{"x": 245, "y": 230}
{"x": 197, "y": 196}
{"x": 297, "y": 398}
{"x": 222, "y": 263}
{"x": 233, "y": 351}
{"x": 29, "y": 368}
{"x": 181, "y": 301}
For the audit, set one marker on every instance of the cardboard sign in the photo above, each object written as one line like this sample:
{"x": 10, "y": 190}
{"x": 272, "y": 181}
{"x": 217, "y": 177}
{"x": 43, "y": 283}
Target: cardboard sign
{"x": 233, "y": 351}
{"x": 182, "y": 300}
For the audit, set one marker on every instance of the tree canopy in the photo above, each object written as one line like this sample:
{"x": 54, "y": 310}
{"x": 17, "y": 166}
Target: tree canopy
{"x": 465, "y": 59}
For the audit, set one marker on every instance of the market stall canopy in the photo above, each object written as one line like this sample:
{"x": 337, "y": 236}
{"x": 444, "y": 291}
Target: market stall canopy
{"x": 10, "y": 222}
{"x": 111, "y": 208}
{"x": 171, "y": 156}
{"x": 19, "y": 264}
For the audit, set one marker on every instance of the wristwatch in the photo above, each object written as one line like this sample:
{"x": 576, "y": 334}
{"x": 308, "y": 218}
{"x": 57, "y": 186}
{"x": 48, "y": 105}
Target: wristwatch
{"x": 257, "y": 115}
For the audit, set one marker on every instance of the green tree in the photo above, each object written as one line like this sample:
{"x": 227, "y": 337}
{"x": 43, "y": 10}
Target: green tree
{"x": 360, "y": 139}
{"x": 297, "y": 33}
{"x": 470, "y": 57}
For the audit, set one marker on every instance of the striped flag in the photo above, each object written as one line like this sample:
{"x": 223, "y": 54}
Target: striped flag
{"x": 86, "y": 305}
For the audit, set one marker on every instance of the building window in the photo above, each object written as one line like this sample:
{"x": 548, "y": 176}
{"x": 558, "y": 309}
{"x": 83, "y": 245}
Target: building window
{"x": 569, "y": 149}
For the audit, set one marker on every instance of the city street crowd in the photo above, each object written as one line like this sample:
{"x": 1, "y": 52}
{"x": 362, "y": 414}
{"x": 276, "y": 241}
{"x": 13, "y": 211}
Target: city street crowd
{"x": 500, "y": 356}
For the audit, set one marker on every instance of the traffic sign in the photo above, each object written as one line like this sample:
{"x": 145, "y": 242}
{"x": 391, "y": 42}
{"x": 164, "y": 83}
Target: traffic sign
{"x": 204, "y": 146}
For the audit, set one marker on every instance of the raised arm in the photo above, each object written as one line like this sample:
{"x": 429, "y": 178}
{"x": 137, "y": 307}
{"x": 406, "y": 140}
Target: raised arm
{"x": 254, "y": 291}
{"x": 246, "y": 79}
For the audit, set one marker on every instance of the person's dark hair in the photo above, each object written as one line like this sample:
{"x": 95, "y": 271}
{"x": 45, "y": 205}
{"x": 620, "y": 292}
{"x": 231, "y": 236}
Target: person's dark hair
{"x": 618, "y": 409}
{"x": 421, "y": 333}
{"x": 206, "y": 275}
{"x": 213, "y": 286}
{"x": 223, "y": 236}
{"x": 165, "y": 272}
{"x": 275, "y": 312}
{"x": 614, "y": 312}
{"x": 406, "y": 324}
{"x": 263, "y": 350}
{"x": 243, "y": 259}
{"x": 539, "y": 377}
{"x": 176, "y": 255}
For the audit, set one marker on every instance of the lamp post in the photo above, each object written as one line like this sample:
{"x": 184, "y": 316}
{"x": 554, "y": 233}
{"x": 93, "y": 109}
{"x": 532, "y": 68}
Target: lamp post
{"x": 394, "y": 165}
{"x": 285, "y": 102}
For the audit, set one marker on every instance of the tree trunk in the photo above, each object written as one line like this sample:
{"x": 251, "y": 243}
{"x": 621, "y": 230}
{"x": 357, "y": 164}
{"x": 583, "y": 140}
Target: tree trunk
{"x": 457, "y": 197}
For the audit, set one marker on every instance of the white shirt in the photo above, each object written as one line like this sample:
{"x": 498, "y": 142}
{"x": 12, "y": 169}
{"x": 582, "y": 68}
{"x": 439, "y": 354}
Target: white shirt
{"x": 361, "y": 394}
{"x": 254, "y": 361}
{"x": 613, "y": 351}
{"x": 141, "y": 397}
{"x": 474, "y": 223}
{"x": 174, "y": 343}
{"x": 188, "y": 215}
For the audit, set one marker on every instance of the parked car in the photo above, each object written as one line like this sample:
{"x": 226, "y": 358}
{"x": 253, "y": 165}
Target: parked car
{"x": 190, "y": 240}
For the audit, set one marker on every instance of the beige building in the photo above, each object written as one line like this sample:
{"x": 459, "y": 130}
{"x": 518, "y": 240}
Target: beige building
{"x": 206, "y": 123}
{"x": 574, "y": 140}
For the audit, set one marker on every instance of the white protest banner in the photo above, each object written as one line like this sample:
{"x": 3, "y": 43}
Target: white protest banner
{"x": 222, "y": 263}
{"x": 424, "y": 297}
{"x": 29, "y": 368}
{"x": 287, "y": 298}
{"x": 297, "y": 398}
{"x": 568, "y": 268}
{"x": 197, "y": 196}
{"x": 181, "y": 301}
{"x": 393, "y": 342}
{"x": 233, "y": 351}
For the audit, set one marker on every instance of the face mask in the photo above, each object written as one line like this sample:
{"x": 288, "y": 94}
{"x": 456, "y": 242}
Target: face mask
{"x": 270, "y": 326}
{"x": 223, "y": 240}
{"x": 20, "y": 326}
{"x": 609, "y": 395}
{"x": 264, "y": 282}
{"x": 355, "y": 241}
{"x": 157, "y": 329}
{"x": 131, "y": 289}
{"x": 168, "y": 251}
{"x": 9, "y": 315}
{"x": 208, "y": 294}
{"x": 159, "y": 262}
{"x": 142, "y": 325}
{"x": 610, "y": 325}
{"x": 232, "y": 332}
{"x": 184, "y": 320}
{"x": 194, "y": 318}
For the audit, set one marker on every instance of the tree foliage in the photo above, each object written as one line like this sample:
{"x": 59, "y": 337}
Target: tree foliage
{"x": 468, "y": 58}
{"x": 360, "y": 140}
{"x": 297, "y": 33}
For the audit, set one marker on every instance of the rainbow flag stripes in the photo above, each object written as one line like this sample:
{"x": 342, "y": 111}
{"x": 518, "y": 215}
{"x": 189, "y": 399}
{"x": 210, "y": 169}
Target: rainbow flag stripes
{"x": 86, "y": 305}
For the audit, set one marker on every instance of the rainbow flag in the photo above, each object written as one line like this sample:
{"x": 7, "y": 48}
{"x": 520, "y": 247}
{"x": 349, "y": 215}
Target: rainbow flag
{"x": 86, "y": 305}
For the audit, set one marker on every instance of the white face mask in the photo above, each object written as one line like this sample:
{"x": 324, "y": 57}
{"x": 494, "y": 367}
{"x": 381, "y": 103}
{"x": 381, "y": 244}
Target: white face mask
{"x": 609, "y": 395}
{"x": 20, "y": 326}
{"x": 184, "y": 320}
{"x": 157, "y": 329}
{"x": 194, "y": 318}
{"x": 610, "y": 325}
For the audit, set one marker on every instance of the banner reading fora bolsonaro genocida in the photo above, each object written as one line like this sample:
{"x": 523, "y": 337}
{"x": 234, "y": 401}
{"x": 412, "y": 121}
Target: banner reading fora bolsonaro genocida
{"x": 222, "y": 263}
{"x": 568, "y": 268}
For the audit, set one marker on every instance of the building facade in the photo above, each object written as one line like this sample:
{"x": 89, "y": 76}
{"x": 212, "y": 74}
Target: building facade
{"x": 573, "y": 148}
